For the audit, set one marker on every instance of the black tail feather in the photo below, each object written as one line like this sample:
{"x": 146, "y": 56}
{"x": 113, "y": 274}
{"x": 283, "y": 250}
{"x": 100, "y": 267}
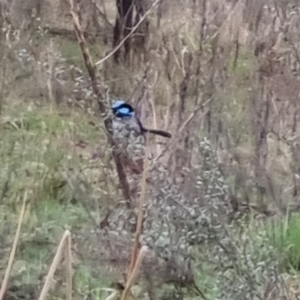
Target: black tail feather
{"x": 159, "y": 132}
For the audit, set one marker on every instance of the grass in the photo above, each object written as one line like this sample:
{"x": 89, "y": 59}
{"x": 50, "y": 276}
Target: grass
{"x": 86, "y": 283}
{"x": 70, "y": 50}
{"x": 242, "y": 65}
{"x": 206, "y": 280}
{"x": 285, "y": 236}
{"x": 38, "y": 154}
{"x": 234, "y": 104}
{"x": 37, "y": 146}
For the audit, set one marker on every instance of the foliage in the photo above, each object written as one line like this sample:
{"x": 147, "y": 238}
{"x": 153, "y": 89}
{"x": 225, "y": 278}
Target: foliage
{"x": 284, "y": 236}
{"x": 222, "y": 76}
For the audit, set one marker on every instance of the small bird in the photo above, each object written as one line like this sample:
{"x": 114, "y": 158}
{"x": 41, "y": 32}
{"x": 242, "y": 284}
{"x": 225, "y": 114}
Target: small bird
{"x": 125, "y": 112}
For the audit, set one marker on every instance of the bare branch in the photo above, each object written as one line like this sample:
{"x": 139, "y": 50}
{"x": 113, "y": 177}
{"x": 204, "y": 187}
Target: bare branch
{"x": 110, "y": 54}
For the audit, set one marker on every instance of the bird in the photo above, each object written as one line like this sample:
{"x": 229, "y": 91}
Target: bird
{"x": 125, "y": 112}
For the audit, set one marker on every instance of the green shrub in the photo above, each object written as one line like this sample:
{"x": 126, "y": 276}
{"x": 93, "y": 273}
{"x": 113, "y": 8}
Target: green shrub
{"x": 285, "y": 235}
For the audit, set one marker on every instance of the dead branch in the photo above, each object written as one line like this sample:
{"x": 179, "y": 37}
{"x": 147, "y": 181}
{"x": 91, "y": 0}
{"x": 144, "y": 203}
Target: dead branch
{"x": 107, "y": 122}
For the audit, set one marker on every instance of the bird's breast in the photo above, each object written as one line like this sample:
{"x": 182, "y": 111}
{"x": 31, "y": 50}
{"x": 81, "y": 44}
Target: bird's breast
{"x": 124, "y": 127}
{"x": 127, "y": 135}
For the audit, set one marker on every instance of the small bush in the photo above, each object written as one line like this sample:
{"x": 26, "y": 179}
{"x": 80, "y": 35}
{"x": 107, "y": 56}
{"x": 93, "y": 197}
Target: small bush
{"x": 285, "y": 236}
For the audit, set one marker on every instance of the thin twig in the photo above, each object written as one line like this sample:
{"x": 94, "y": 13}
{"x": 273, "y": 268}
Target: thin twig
{"x": 134, "y": 272}
{"x": 54, "y": 265}
{"x": 154, "y": 122}
{"x": 68, "y": 254}
{"x": 13, "y": 250}
{"x": 86, "y": 55}
{"x": 231, "y": 14}
{"x": 140, "y": 214}
{"x": 136, "y": 257}
{"x": 193, "y": 114}
{"x": 110, "y": 54}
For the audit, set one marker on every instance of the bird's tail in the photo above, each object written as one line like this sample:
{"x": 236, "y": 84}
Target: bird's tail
{"x": 159, "y": 132}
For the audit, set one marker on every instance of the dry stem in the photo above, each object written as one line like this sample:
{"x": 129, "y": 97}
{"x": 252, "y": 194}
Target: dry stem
{"x": 68, "y": 256}
{"x": 57, "y": 258}
{"x": 13, "y": 250}
{"x": 136, "y": 257}
{"x": 91, "y": 70}
{"x": 134, "y": 272}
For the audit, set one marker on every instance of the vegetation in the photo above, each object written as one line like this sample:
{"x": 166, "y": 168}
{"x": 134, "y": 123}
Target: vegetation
{"x": 218, "y": 203}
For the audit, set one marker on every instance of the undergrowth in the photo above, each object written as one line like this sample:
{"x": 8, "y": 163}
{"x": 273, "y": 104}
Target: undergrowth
{"x": 39, "y": 150}
{"x": 47, "y": 154}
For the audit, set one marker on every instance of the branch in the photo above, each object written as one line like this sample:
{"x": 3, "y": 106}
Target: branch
{"x": 193, "y": 114}
{"x": 107, "y": 122}
{"x": 129, "y": 34}
{"x": 86, "y": 55}
{"x": 54, "y": 265}
{"x": 13, "y": 250}
{"x": 136, "y": 255}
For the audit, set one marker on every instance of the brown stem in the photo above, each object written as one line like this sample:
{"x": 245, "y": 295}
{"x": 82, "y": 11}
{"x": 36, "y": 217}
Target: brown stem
{"x": 107, "y": 122}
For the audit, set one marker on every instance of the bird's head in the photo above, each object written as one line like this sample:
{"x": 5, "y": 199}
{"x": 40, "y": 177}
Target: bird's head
{"x": 122, "y": 109}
